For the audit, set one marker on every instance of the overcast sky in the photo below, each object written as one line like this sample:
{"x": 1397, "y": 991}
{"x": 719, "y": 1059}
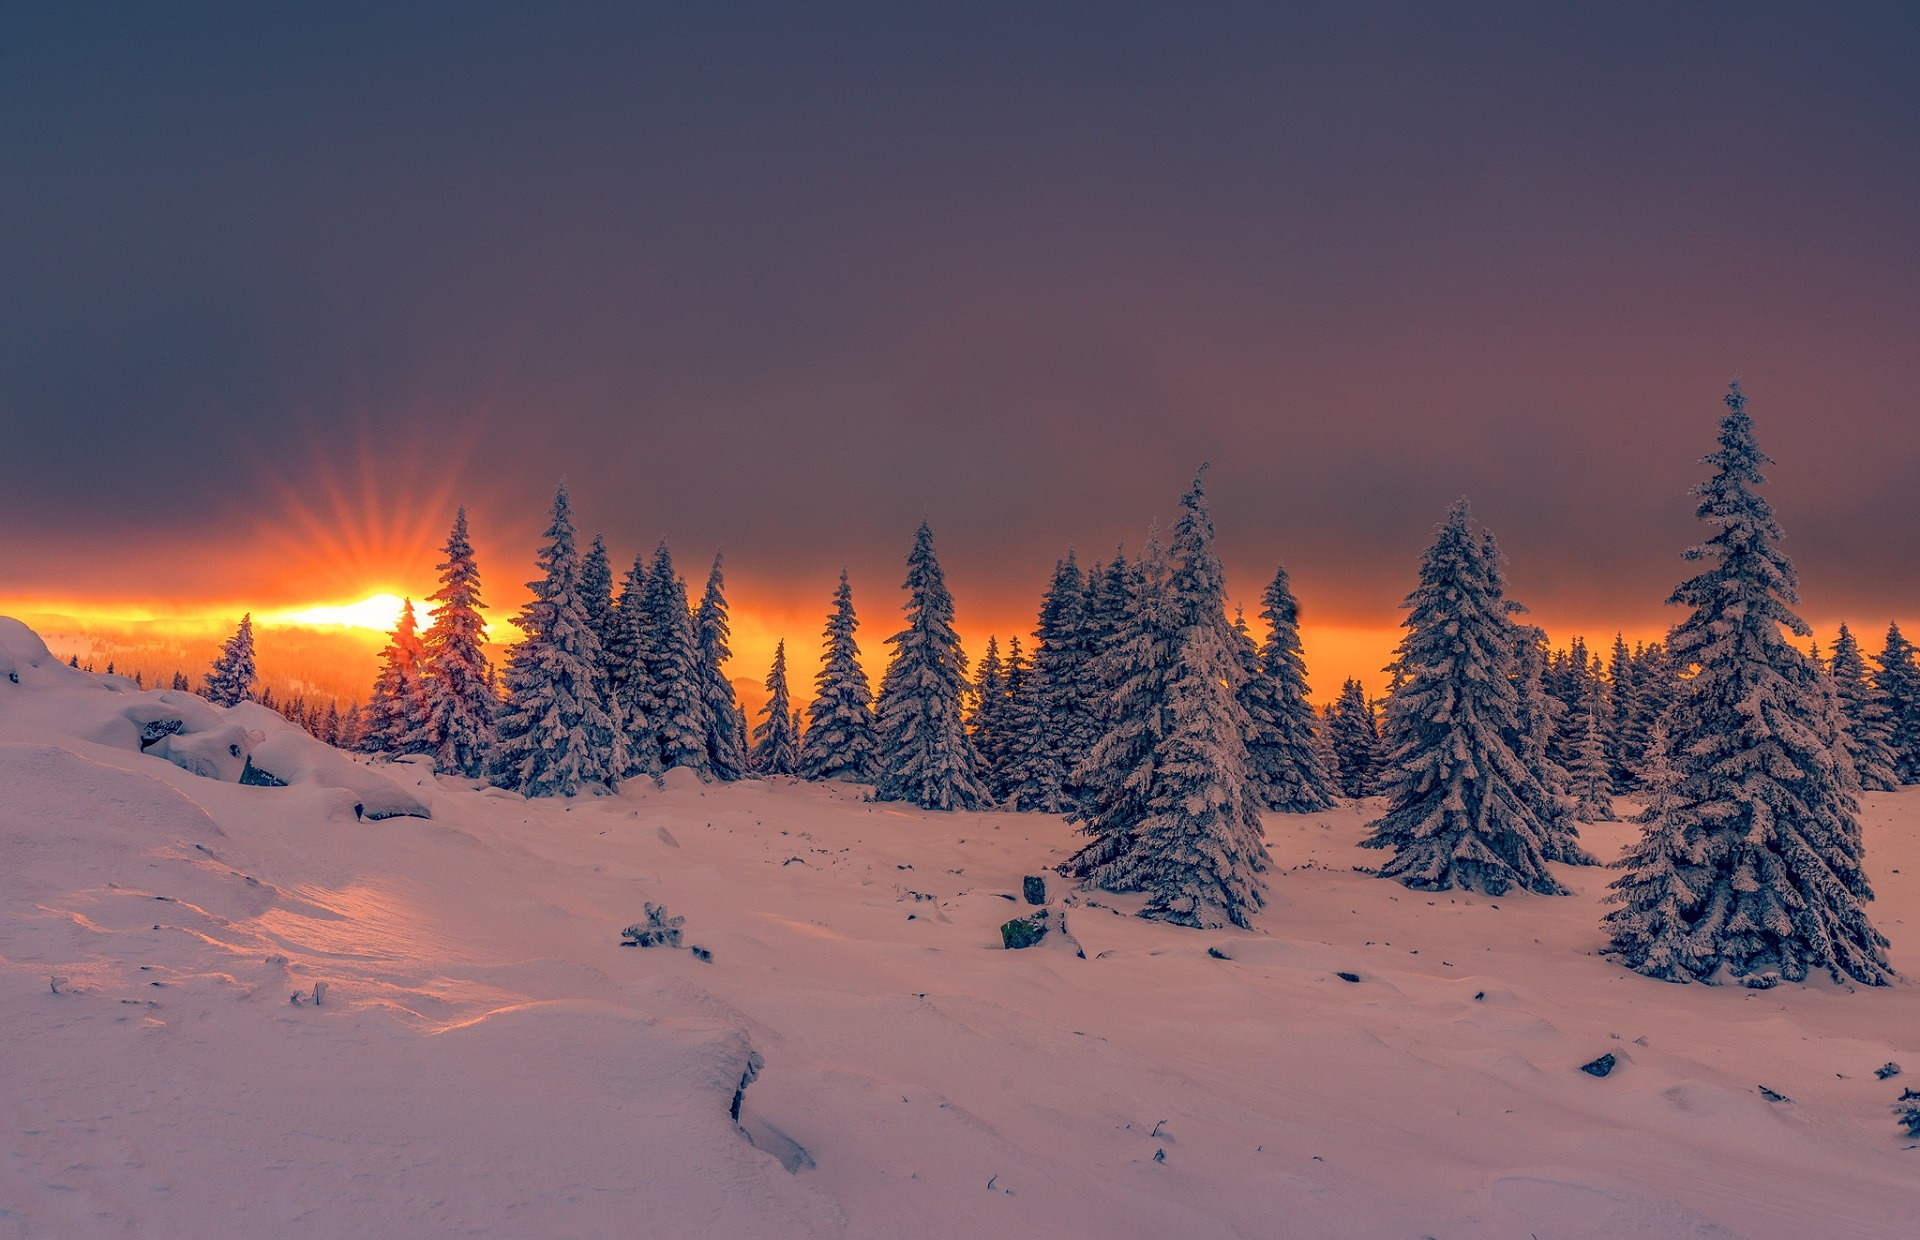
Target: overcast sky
{"x": 279, "y": 287}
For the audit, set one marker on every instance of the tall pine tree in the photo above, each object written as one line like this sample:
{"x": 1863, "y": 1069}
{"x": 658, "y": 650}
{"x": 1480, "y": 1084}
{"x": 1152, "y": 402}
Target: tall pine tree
{"x": 1354, "y": 734}
{"x": 675, "y": 703}
{"x": 726, "y": 742}
{"x": 1898, "y": 680}
{"x": 556, "y": 736}
{"x": 1061, "y": 719}
{"x": 776, "y": 741}
{"x": 1463, "y": 809}
{"x": 461, "y": 702}
{"x": 1282, "y": 759}
{"x": 1199, "y": 850}
{"x": 925, "y": 756}
{"x": 1135, "y": 669}
{"x": 626, "y": 666}
{"x": 986, "y": 716}
{"x": 233, "y": 676}
{"x": 1869, "y": 730}
{"x": 1751, "y": 863}
{"x": 840, "y": 738}
{"x": 396, "y": 714}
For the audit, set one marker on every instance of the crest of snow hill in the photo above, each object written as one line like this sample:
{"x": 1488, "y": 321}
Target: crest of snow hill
{"x": 245, "y": 743}
{"x": 1164, "y": 730}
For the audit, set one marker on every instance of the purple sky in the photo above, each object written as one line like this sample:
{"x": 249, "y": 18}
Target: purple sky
{"x": 278, "y": 288}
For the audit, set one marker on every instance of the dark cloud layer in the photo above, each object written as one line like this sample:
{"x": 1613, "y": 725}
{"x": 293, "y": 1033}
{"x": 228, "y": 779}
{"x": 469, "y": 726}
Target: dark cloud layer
{"x": 784, "y": 278}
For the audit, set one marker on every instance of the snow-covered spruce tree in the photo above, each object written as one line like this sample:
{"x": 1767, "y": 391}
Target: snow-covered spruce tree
{"x": 1898, "y": 680}
{"x": 231, "y": 679}
{"x": 840, "y": 738}
{"x": 776, "y": 740}
{"x": 1323, "y": 746}
{"x": 1135, "y": 668}
{"x": 1463, "y": 808}
{"x": 1200, "y": 850}
{"x": 1282, "y": 759}
{"x": 1354, "y": 734}
{"x": 1553, "y": 803}
{"x": 1868, "y": 730}
{"x": 1016, "y": 773}
{"x": 596, "y": 591}
{"x": 461, "y": 703}
{"x": 396, "y": 714}
{"x": 1622, "y": 708}
{"x": 626, "y": 666}
{"x": 1752, "y": 865}
{"x": 675, "y": 705}
{"x": 726, "y": 741}
{"x": 986, "y": 716}
{"x": 1591, "y": 779}
{"x": 1538, "y": 717}
{"x": 1064, "y": 726}
{"x": 556, "y": 736}
{"x": 925, "y": 756}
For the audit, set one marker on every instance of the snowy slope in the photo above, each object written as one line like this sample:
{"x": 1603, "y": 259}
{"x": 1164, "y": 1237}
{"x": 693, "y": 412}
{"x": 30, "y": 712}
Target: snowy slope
{"x": 488, "y": 1060}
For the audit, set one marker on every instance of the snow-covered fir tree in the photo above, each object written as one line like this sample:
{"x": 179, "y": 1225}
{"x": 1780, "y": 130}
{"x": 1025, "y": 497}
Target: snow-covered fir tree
{"x": 1354, "y": 733}
{"x": 1751, "y": 865}
{"x": 461, "y": 702}
{"x": 396, "y": 714}
{"x": 776, "y": 739}
{"x": 1199, "y": 851}
{"x": 626, "y": 667}
{"x": 1135, "y": 669}
{"x": 675, "y": 704}
{"x": 1282, "y": 759}
{"x": 596, "y": 591}
{"x": 1538, "y": 718}
{"x": 233, "y": 676}
{"x": 925, "y": 756}
{"x": 1591, "y": 779}
{"x": 986, "y": 716}
{"x": 726, "y": 741}
{"x": 1061, "y": 717}
{"x": 1553, "y": 802}
{"x": 1898, "y": 682}
{"x": 1622, "y": 708}
{"x": 840, "y": 737}
{"x": 556, "y": 735}
{"x": 1868, "y": 734}
{"x": 1016, "y": 771}
{"x": 1463, "y": 809}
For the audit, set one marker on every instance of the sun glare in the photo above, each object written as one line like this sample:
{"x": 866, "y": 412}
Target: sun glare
{"x": 379, "y": 612}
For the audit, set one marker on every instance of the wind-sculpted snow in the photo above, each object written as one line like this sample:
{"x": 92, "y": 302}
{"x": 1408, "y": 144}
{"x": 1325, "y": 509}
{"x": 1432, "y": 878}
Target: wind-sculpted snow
{"x": 486, "y": 1059}
{"x": 214, "y": 742}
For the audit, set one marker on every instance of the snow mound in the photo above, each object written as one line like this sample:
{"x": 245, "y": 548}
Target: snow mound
{"x": 229, "y": 744}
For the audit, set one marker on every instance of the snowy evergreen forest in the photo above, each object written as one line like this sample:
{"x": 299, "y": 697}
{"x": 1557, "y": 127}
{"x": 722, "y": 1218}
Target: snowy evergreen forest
{"x": 1164, "y": 728}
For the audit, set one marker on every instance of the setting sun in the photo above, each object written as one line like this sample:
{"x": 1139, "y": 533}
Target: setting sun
{"x": 378, "y": 612}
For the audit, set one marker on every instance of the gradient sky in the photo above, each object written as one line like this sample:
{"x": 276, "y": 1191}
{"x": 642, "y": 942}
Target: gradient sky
{"x": 278, "y": 288}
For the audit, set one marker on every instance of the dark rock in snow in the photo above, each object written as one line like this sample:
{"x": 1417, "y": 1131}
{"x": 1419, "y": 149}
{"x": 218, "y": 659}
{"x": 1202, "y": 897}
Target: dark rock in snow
{"x": 1022, "y": 932}
{"x": 1887, "y": 1070}
{"x": 1034, "y": 887}
{"x": 1772, "y": 1095}
{"x": 1602, "y": 1066}
{"x": 1347, "y": 977}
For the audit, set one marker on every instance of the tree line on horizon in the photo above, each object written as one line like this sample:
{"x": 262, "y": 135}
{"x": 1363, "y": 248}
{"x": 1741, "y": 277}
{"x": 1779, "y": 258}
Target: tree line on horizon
{"x": 1163, "y": 729}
